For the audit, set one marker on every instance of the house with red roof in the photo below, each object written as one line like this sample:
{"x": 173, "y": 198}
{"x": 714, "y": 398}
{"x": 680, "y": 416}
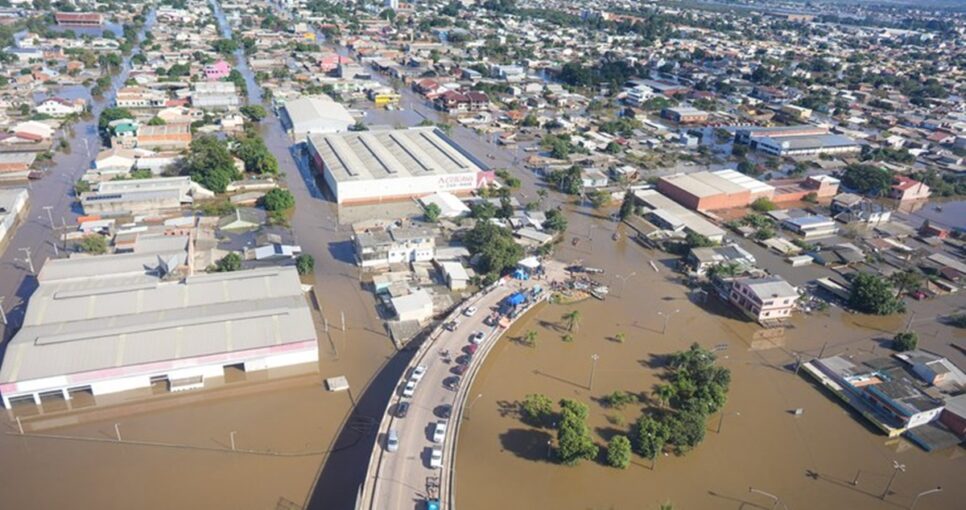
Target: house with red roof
{"x": 79, "y": 19}
{"x": 906, "y": 188}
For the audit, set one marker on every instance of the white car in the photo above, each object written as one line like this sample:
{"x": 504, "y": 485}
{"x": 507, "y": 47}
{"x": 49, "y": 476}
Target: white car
{"x": 410, "y": 389}
{"x": 470, "y": 311}
{"x": 418, "y": 373}
{"x": 436, "y": 459}
{"x": 439, "y": 433}
{"x": 392, "y": 440}
{"x": 476, "y": 337}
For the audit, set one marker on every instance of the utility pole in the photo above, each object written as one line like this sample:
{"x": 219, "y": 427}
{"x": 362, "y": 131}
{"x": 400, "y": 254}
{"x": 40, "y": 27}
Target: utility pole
{"x": 470, "y": 407}
{"x": 667, "y": 318}
{"x": 3, "y": 316}
{"x": 30, "y": 261}
{"x": 722, "y": 417}
{"x": 768, "y": 495}
{"x": 117, "y": 431}
{"x": 593, "y": 369}
{"x": 231, "y": 436}
{"x": 50, "y": 217}
{"x": 56, "y": 249}
{"x": 923, "y": 493}
{"x": 343, "y": 321}
{"x": 896, "y": 467}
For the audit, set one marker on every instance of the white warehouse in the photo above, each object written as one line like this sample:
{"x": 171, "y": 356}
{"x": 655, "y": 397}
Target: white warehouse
{"x": 113, "y": 323}
{"x": 396, "y": 164}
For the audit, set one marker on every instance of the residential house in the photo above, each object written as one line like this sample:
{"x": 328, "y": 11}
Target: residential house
{"x": 59, "y": 108}
{"x": 393, "y": 246}
{"x": 764, "y": 299}
{"x": 702, "y": 259}
{"x": 217, "y": 70}
{"x": 905, "y": 188}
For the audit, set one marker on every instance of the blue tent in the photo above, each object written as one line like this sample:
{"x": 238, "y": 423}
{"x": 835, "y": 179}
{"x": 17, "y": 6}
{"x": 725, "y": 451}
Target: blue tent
{"x": 516, "y": 299}
{"x": 521, "y": 274}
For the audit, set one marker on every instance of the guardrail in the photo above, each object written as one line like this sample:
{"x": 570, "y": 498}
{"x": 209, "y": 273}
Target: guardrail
{"x": 370, "y": 485}
{"x": 448, "y": 481}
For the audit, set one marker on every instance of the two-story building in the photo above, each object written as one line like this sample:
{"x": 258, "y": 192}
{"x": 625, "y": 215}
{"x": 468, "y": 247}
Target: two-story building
{"x": 763, "y": 299}
{"x": 394, "y": 246}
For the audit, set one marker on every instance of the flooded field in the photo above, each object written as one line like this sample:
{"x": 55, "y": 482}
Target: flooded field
{"x": 809, "y": 461}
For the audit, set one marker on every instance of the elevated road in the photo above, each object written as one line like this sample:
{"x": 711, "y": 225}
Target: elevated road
{"x": 405, "y": 477}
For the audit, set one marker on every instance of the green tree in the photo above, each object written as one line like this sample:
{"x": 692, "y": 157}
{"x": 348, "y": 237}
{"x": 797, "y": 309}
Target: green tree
{"x": 905, "y": 280}
{"x": 599, "y": 198}
{"x": 210, "y": 164}
{"x": 762, "y": 205}
{"x": 432, "y": 212}
{"x": 868, "y": 179}
{"x": 95, "y": 244}
{"x": 255, "y": 112}
{"x": 497, "y": 249}
{"x": 573, "y": 436}
{"x": 258, "y": 159}
{"x": 556, "y": 221}
{"x": 695, "y": 240}
{"x": 572, "y": 318}
{"x": 228, "y": 263}
{"x": 686, "y": 429}
{"x": 905, "y": 341}
{"x": 304, "y": 264}
{"x": 664, "y": 393}
{"x": 649, "y": 435}
{"x": 529, "y": 338}
{"x": 278, "y": 199}
{"x": 619, "y": 399}
{"x": 109, "y": 115}
{"x": 567, "y": 181}
{"x": 536, "y": 409}
{"x": 627, "y": 206}
{"x": 619, "y": 452}
{"x": 156, "y": 121}
{"x": 873, "y": 294}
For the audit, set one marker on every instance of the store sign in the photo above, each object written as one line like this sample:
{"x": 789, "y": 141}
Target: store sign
{"x": 461, "y": 181}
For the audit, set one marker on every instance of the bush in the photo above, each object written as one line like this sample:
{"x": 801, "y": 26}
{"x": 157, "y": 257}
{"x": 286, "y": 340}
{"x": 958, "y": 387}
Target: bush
{"x": 873, "y": 294}
{"x": 95, "y": 244}
{"x": 536, "y": 409}
{"x": 905, "y": 341}
{"x": 432, "y": 212}
{"x": 619, "y": 452}
{"x": 304, "y": 264}
{"x": 763, "y": 205}
{"x": 228, "y": 263}
{"x": 619, "y": 399}
{"x": 255, "y": 112}
{"x": 278, "y": 199}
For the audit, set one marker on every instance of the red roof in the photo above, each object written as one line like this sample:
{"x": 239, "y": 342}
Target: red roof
{"x": 88, "y": 17}
{"x": 903, "y": 183}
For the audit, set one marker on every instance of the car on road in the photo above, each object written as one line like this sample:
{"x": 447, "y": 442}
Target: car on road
{"x": 465, "y": 359}
{"x": 470, "y": 311}
{"x": 439, "y": 432}
{"x": 392, "y": 440}
{"x": 402, "y": 409}
{"x": 471, "y": 349}
{"x": 410, "y": 389}
{"x": 436, "y": 457}
{"x": 452, "y": 382}
{"x": 491, "y": 320}
{"x": 452, "y": 325}
{"x": 477, "y": 337}
{"x": 460, "y": 369}
{"x": 443, "y": 411}
{"x": 418, "y": 373}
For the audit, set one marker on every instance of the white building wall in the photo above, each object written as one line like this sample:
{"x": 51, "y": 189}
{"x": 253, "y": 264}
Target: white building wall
{"x": 293, "y": 358}
{"x": 118, "y": 385}
{"x": 378, "y": 189}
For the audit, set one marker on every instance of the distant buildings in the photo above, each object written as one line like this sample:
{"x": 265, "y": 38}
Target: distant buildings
{"x": 702, "y": 259}
{"x": 803, "y": 140}
{"x": 215, "y": 95}
{"x": 665, "y": 218}
{"x": 685, "y": 115}
{"x": 59, "y": 108}
{"x": 386, "y": 165}
{"x": 12, "y": 203}
{"x": 142, "y": 196}
{"x": 79, "y": 19}
{"x": 764, "y": 299}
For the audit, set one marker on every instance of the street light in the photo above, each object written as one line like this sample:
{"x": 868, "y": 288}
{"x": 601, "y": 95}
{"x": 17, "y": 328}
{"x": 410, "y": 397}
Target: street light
{"x": 470, "y": 407}
{"x": 896, "y": 467}
{"x": 721, "y": 418}
{"x": 667, "y": 318}
{"x": 593, "y": 369}
{"x": 623, "y": 280}
{"x": 769, "y": 495}
{"x": 924, "y": 493}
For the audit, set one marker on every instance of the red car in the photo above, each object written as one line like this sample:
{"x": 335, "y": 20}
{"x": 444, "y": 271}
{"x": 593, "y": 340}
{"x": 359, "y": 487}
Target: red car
{"x": 919, "y": 295}
{"x": 471, "y": 349}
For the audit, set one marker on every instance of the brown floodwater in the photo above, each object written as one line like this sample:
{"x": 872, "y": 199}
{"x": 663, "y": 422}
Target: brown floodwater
{"x": 809, "y": 461}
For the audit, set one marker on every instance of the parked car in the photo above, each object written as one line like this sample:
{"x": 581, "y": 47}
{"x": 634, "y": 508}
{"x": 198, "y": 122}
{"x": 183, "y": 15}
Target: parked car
{"x": 452, "y": 325}
{"x": 470, "y": 311}
{"x": 392, "y": 440}
{"x": 460, "y": 369}
{"x": 410, "y": 389}
{"x": 444, "y": 411}
{"x": 439, "y": 433}
{"x": 477, "y": 337}
{"x": 471, "y": 349}
{"x": 402, "y": 409}
{"x": 436, "y": 458}
{"x": 418, "y": 373}
{"x": 452, "y": 382}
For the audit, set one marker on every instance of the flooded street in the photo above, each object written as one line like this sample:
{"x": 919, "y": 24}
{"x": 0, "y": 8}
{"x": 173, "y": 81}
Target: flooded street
{"x": 762, "y": 444}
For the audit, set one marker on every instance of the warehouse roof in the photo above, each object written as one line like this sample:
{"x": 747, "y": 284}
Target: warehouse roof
{"x": 704, "y": 184}
{"x": 308, "y": 113}
{"x": 109, "y": 320}
{"x": 811, "y": 142}
{"x": 393, "y": 154}
{"x": 750, "y": 183}
{"x": 692, "y": 220}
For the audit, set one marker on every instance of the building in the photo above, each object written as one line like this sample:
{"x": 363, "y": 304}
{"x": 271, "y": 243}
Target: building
{"x": 314, "y": 115}
{"x": 16, "y": 165}
{"x": 113, "y": 323}
{"x": 811, "y": 226}
{"x": 667, "y": 215}
{"x": 12, "y": 204}
{"x": 217, "y": 70}
{"x": 708, "y": 191}
{"x": 763, "y": 299}
{"x": 415, "y": 306}
{"x": 59, "y": 108}
{"x": 685, "y": 115}
{"x": 795, "y": 190}
{"x": 394, "y": 246}
{"x": 155, "y": 196}
{"x": 383, "y": 97}
{"x": 163, "y": 137}
{"x": 905, "y": 188}
{"x": 806, "y": 145}
{"x": 456, "y": 276}
{"x": 702, "y": 259}
{"x": 79, "y": 19}
{"x": 747, "y": 135}
{"x": 139, "y": 97}
{"x": 215, "y": 95}
{"x": 377, "y": 166}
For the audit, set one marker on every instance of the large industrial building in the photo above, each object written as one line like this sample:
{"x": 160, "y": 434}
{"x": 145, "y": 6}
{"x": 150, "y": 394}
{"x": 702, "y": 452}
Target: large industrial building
{"x": 708, "y": 191}
{"x": 397, "y": 164}
{"x": 803, "y": 140}
{"x": 113, "y": 323}
{"x": 313, "y": 115}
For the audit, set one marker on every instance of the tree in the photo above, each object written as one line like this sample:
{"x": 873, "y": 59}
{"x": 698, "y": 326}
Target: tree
{"x": 686, "y": 429}
{"x": 618, "y": 399}
{"x": 762, "y": 205}
{"x": 627, "y": 206}
{"x": 599, "y": 198}
{"x": 228, "y": 263}
{"x": 905, "y": 341}
{"x": 156, "y": 121}
{"x": 225, "y": 46}
{"x": 868, "y": 179}
{"x": 255, "y": 112}
{"x": 529, "y": 338}
{"x": 210, "y": 164}
{"x": 495, "y": 245}
{"x": 872, "y": 294}
{"x": 278, "y": 199}
{"x": 536, "y": 409}
{"x": 572, "y": 319}
{"x": 573, "y": 436}
{"x": 556, "y": 221}
{"x": 695, "y": 240}
{"x": 567, "y": 181}
{"x": 619, "y": 452}
{"x": 905, "y": 280}
{"x": 432, "y": 212}
{"x": 95, "y": 244}
{"x": 305, "y": 264}
{"x": 664, "y": 393}
{"x": 649, "y": 436}
{"x": 258, "y": 159}
{"x": 110, "y": 115}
